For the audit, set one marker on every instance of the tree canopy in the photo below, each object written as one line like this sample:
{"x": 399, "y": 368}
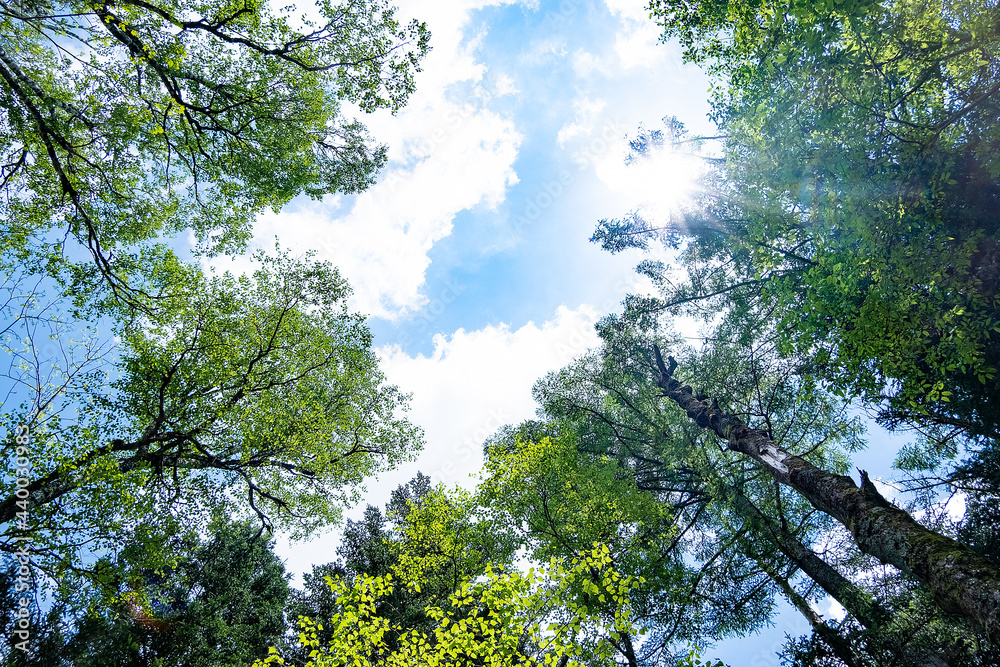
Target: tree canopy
{"x": 855, "y": 195}
{"x": 849, "y": 217}
{"x": 124, "y": 121}
{"x": 252, "y": 397}
{"x": 219, "y": 602}
{"x": 844, "y": 251}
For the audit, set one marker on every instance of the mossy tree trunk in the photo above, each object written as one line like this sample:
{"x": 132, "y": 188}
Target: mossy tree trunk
{"x": 960, "y": 580}
{"x": 889, "y": 647}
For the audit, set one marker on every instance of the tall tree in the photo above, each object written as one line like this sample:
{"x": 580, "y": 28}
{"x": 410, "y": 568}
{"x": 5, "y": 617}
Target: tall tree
{"x": 253, "y": 397}
{"x": 121, "y": 121}
{"x": 613, "y": 409}
{"x": 604, "y": 399}
{"x": 856, "y": 194}
{"x": 962, "y": 581}
{"x": 219, "y": 603}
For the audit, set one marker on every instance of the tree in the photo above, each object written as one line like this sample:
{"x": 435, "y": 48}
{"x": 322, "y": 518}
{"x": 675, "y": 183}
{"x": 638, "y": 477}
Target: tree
{"x": 503, "y": 618}
{"x": 122, "y": 121}
{"x": 219, "y": 603}
{"x": 703, "y": 581}
{"x": 961, "y": 581}
{"x": 854, "y": 209}
{"x": 857, "y": 194}
{"x": 252, "y": 397}
{"x": 372, "y": 548}
{"x": 544, "y": 492}
{"x": 604, "y": 399}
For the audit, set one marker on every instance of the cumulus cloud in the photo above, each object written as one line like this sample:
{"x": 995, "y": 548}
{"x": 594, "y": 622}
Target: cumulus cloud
{"x": 637, "y": 43}
{"x": 472, "y": 384}
{"x": 446, "y": 154}
{"x": 453, "y": 162}
{"x": 476, "y": 381}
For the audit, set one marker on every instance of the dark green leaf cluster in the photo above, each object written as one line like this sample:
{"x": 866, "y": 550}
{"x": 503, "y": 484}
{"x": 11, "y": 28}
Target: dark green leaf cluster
{"x": 220, "y": 603}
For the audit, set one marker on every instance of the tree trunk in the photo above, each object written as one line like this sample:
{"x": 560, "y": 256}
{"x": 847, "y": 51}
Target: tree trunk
{"x": 839, "y": 644}
{"x": 960, "y": 580}
{"x": 855, "y": 600}
{"x": 858, "y": 603}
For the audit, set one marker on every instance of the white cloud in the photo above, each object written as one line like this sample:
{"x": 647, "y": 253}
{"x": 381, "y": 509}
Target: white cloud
{"x": 831, "y": 609}
{"x": 637, "y": 44}
{"x": 586, "y": 115}
{"x": 585, "y": 62}
{"x": 633, "y": 10}
{"x": 504, "y": 85}
{"x": 445, "y": 156}
{"x": 542, "y": 50}
{"x": 456, "y": 158}
{"x": 472, "y": 384}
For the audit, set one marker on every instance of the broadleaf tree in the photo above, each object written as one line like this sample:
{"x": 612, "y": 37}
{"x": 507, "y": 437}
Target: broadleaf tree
{"x": 124, "y": 121}
{"x": 254, "y": 397}
{"x": 503, "y": 617}
{"x": 854, "y": 197}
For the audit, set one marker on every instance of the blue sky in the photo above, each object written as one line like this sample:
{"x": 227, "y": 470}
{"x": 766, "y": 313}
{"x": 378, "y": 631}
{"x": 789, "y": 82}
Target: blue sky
{"x": 471, "y": 253}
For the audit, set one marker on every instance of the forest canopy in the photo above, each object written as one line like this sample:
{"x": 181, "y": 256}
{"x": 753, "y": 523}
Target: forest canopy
{"x": 147, "y": 400}
{"x": 841, "y": 256}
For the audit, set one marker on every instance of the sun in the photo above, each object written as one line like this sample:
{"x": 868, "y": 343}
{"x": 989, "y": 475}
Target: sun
{"x": 660, "y": 183}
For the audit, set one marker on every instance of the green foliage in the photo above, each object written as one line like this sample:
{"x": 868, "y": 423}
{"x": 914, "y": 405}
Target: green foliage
{"x": 252, "y": 397}
{"x": 931, "y": 637}
{"x": 219, "y": 604}
{"x": 371, "y": 547}
{"x": 853, "y": 215}
{"x": 708, "y": 564}
{"x": 500, "y": 619}
{"x": 441, "y": 537}
{"x": 563, "y": 504}
{"x": 124, "y": 121}
{"x": 859, "y": 199}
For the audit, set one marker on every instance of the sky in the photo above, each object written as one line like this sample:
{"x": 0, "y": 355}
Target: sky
{"x": 471, "y": 254}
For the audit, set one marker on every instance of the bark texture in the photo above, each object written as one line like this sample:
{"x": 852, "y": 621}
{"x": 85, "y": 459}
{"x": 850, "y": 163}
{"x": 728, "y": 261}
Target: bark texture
{"x": 856, "y": 601}
{"x": 890, "y": 647}
{"x": 960, "y": 580}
